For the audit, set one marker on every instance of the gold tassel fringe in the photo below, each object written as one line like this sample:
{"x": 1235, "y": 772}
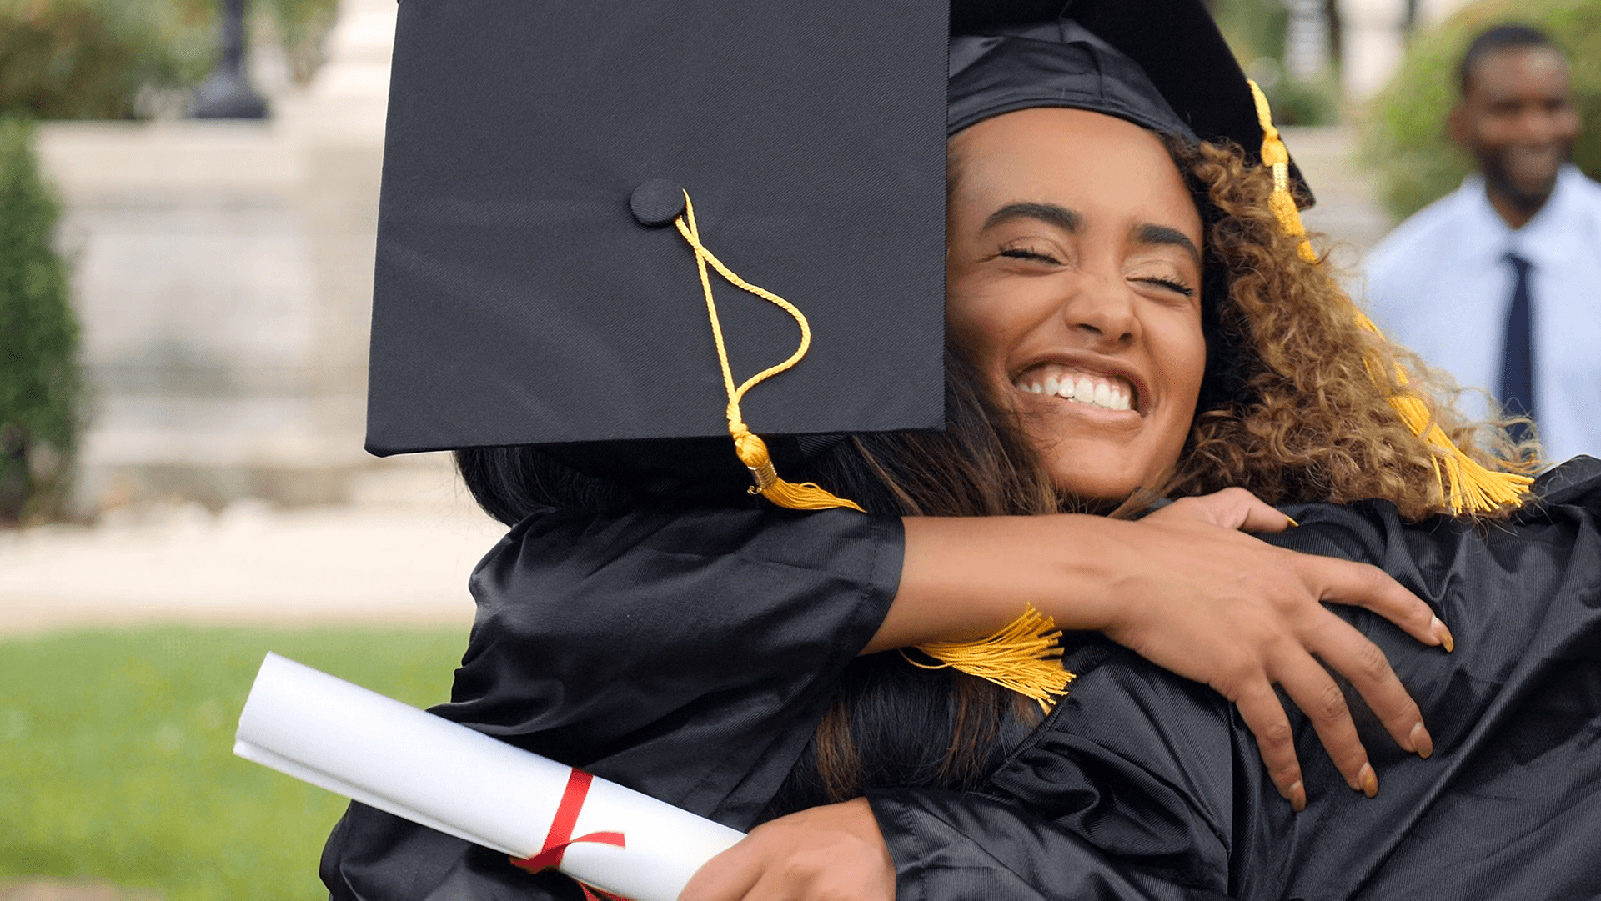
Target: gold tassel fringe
{"x": 1025, "y": 657}
{"x": 752, "y": 452}
{"x": 1021, "y": 656}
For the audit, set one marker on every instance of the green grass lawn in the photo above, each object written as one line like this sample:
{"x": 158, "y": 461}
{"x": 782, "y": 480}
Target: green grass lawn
{"x": 116, "y": 755}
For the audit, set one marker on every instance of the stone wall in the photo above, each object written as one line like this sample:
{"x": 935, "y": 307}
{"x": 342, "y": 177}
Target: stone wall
{"x": 223, "y": 276}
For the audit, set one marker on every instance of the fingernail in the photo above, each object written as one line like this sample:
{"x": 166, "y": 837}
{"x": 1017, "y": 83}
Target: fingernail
{"x": 1291, "y": 521}
{"x": 1443, "y": 634}
{"x": 1422, "y": 742}
{"x": 1298, "y": 797}
{"x": 1368, "y": 779}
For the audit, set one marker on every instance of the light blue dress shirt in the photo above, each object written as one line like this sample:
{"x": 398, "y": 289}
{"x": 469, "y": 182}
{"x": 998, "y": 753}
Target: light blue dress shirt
{"x": 1440, "y": 285}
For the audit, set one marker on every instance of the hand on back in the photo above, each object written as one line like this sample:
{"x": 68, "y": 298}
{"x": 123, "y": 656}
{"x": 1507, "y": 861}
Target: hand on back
{"x": 1188, "y": 589}
{"x": 1209, "y": 602}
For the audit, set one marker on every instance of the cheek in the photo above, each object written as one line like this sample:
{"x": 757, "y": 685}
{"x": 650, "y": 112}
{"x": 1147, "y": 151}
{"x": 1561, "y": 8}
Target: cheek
{"x": 1568, "y": 126}
{"x": 983, "y": 326}
{"x": 1182, "y": 352}
{"x": 967, "y": 332}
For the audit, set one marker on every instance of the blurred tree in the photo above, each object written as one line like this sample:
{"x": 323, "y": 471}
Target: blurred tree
{"x": 106, "y": 59}
{"x": 1254, "y": 28}
{"x": 40, "y": 386}
{"x": 302, "y": 25}
{"x": 1257, "y": 31}
{"x": 1405, "y": 141}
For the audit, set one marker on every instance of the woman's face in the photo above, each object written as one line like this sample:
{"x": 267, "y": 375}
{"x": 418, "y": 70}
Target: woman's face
{"x": 1073, "y": 272}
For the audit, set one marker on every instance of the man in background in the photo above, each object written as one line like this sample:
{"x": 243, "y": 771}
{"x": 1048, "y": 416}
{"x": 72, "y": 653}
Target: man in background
{"x": 1500, "y": 282}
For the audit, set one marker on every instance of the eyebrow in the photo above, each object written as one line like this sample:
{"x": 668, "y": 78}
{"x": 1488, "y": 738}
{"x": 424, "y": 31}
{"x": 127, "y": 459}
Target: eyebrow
{"x": 1146, "y": 233}
{"x": 1070, "y": 221}
{"x": 1051, "y": 214}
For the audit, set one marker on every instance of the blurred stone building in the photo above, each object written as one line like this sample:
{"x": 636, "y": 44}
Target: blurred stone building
{"x": 222, "y": 272}
{"x": 1373, "y": 35}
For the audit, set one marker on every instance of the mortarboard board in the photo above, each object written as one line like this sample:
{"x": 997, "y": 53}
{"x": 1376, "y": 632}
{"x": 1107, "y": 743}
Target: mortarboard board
{"x": 531, "y": 287}
{"x": 564, "y": 184}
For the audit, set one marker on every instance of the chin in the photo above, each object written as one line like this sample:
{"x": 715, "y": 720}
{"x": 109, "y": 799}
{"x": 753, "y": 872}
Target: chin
{"x": 1098, "y": 488}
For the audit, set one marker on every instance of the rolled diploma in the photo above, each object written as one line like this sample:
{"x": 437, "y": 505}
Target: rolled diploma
{"x": 394, "y": 757}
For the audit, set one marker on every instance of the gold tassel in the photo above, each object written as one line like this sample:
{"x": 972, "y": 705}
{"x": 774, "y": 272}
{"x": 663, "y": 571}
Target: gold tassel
{"x": 1465, "y": 484}
{"x": 1025, "y": 657}
{"x": 751, "y": 449}
{"x": 752, "y": 452}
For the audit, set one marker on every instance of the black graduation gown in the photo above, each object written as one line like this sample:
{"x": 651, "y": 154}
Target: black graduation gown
{"x": 690, "y": 655}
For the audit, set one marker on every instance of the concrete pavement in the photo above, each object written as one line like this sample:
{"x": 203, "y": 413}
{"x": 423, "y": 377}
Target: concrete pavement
{"x": 401, "y": 555}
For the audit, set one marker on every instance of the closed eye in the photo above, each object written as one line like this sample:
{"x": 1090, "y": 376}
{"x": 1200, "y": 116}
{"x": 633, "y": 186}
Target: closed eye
{"x": 1028, "y": 253}
{"x": 1169, "y": 284}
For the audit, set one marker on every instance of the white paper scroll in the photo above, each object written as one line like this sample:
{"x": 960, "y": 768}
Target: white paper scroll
{"x": 413, "y": 764}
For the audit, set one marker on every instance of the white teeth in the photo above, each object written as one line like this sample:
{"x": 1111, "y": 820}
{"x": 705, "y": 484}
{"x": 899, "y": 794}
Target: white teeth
{"x": 1110, "y": 393}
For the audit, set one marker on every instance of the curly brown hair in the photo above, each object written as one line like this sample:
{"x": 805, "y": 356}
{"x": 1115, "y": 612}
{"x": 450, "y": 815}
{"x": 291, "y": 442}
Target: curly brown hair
{"x": 1305, "y": 414}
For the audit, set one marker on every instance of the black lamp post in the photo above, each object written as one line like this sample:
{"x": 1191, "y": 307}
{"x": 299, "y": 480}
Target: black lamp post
{"x": 226, "y": 92}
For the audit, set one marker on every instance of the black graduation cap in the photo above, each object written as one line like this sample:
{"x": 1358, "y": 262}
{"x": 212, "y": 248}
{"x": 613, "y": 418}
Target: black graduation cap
{"x": 537, "y": 275}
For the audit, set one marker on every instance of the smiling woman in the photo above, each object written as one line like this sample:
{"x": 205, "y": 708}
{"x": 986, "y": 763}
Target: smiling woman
{"x": 1078, "y": 300}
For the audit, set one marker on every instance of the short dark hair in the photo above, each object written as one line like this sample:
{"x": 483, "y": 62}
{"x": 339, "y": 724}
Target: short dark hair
{"x": 1508, "y": 36}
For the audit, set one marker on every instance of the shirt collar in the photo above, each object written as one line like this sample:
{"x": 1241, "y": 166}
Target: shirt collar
{"x": 1542, "y": 240}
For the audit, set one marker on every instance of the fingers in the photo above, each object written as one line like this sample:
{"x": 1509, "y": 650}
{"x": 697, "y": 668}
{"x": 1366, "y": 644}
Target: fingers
{"x": 1349, "y": 653}
{"x": 1361, "y": 585}
{"x": 1231, "y": 508}
{"x": 833, "y": 851}
{"x": 1264, "y": 716}
{"x": 1255, "y": 515}
{"x": 727, "y": 877}
{"x": 1312, "y": 689}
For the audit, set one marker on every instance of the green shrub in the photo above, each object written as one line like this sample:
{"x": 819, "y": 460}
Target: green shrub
{"x": 102, "y": 59}
{"x": 1405, "y": 139}
{"x": 39, "y": 381}
{"x": 92, "y": 59}
{"x": 301, "y": 26}
{"x": 1255, "y": 30}
{"x": 1304, "y": 102}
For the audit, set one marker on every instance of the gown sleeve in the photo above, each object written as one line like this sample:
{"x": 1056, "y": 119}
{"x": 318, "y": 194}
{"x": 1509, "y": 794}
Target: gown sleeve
{"x": 687, "y": 654}
{"x": 1127, "y": 790}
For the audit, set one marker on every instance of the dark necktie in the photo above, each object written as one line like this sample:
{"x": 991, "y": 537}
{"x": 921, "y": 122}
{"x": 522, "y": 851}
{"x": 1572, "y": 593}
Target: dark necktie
{"x": 1517, "y": 359}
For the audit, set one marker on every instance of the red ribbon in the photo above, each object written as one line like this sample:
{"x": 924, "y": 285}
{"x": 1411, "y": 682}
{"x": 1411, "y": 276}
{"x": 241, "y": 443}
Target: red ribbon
{"x": 561, "y": 831}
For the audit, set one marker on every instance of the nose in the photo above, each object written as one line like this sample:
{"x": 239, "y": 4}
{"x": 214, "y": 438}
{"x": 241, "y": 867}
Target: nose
{"x": 1103, "y": 307}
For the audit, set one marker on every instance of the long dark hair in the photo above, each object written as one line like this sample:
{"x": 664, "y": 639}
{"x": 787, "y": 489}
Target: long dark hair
{"x": 890, "y": 723}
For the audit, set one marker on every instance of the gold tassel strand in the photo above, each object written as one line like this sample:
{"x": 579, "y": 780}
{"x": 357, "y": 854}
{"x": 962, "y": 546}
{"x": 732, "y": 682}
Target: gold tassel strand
{"x": 1025, "y": 656}
{"x": 752, "y": 450}
{"x": 1277, "y": 157}
{"x": 1465, "y": 484}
